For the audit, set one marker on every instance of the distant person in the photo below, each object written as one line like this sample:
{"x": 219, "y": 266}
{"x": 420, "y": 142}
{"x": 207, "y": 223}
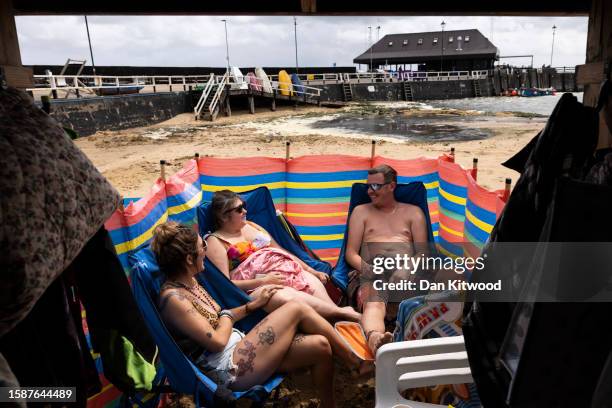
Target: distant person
{"x": 231, "y": 358}
{"x": 249, "y": 256}
{"x": 384, "y": 220}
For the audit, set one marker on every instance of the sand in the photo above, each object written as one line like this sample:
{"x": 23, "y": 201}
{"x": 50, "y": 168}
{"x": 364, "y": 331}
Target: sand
{"x": 130, "y": 158}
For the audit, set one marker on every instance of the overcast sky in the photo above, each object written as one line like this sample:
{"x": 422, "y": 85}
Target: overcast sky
{"x": 269, "y": 41}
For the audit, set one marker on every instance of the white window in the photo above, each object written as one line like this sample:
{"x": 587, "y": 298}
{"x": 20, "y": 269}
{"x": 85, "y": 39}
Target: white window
{"x": 450, "y": 39}
{"x": 459, "y": 38}
{"x": 420, "y": 42}
{"x": 435, "y": 40}
{"x": 405, "y": 42}
{"x": 467, "y": 38}
{"x": 390, "y": 43}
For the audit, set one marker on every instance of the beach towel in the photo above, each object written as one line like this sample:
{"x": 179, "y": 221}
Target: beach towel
{"x": 353, "y": 335}
{"x": 269, "y": 259}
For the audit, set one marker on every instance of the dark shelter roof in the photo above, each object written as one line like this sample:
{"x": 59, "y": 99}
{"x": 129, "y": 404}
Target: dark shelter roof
{"x": 419, "y": 47}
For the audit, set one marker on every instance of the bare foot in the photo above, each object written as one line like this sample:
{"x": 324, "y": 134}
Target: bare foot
{"x": 348, "y": 313}
{"x": 377, "y": 339}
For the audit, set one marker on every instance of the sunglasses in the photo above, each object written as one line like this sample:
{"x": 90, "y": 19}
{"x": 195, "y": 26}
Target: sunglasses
{"x": 376, "y": 186}
{"x": 238, "y": 209}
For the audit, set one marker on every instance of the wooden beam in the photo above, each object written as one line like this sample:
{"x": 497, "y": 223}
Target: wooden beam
{"x": 309, "y": 6}
{"x": 11, "y": 70}
{"x": 591, "y": 73}
{"x": 599, "y": 50}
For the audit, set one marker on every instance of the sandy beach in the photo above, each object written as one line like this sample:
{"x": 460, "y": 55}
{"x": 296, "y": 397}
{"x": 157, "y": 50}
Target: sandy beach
{"x": 130, "y": 158}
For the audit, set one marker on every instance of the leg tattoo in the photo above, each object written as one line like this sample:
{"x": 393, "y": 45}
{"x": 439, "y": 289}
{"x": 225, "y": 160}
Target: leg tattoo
{"x": 267, "y": 336}
{"x": 298, "y": 338}
{"x": 248, "y": 350}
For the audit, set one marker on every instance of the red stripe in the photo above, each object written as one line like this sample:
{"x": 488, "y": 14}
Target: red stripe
{"x": 317, "y": 208}
{"x": 317, "y": 222}
{"x": 449, "y": 237}
{"x": 327, "y": 164}
{"x": 480, "y": 196}
{"x": 452, "y": 173}
{"x": 183, "y": 179}
{"x": 243, "y": 166}
{"x": 137, "y": 211}
{"x": 409, "y": 168}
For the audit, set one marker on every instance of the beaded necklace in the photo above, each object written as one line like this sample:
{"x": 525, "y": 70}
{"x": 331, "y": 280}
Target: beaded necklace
{"x": 202, "y": 296}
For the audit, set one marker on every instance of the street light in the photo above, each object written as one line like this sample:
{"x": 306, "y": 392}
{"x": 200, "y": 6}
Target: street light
{"x": 93, "y": 64}
{"x": 226, "y": 46}
{"x": 296, "y": 49}
{"x": 371, "y": 46}
{"x": 442, "y": 48}
{"x": 552, "y": 49}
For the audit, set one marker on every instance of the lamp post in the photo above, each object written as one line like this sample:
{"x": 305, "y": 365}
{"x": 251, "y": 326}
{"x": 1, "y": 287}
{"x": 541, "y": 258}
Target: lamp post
{"x": 442, "y": 46}
{"x": 552, "y": 49}
{"x": 93, "y": 64}
{"x": 371, "y": 46}
{"x": 226, "y": 46}
{"x": 296, "y": 48}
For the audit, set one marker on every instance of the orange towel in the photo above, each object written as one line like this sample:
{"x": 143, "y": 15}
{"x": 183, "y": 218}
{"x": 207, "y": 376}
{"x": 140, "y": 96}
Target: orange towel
{"x": 352, "y": 334}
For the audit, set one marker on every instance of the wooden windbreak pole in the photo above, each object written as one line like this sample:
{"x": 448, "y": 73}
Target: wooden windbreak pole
{"x": 121, "y": 206}
{"x": 373, "y": 153}
{"x": 452, "y": 154}
{"x": 162, "y": 165}
{"x": 287, "y": 151}
{"x": 475, "y": 168}
{"x": 507, "y": 188}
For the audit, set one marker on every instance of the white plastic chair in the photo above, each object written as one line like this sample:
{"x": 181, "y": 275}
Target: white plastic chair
{"x": 419, "y": 363}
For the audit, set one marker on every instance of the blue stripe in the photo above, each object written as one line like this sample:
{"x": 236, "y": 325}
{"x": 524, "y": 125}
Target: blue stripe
{"x": 318, "y": 192}
{"x": 453, "y": 189}
{"x": 320, "y": 177}
{"x": 476, "y": 232}
{"x": 432, "y": 193}
{"x": 480, "y": 213}
{"x": 450, "y": 206}
{"x": 336, "y": 243}
{"x": 118, "y": 235}
{"x": 320, "y": 230}
{"x": 242, "y": 180}
{"x": 450, "y": 247}
{"x": 435, "y": 226}
{"x": 188, "y": 217}
{"x": 425, "y": 178}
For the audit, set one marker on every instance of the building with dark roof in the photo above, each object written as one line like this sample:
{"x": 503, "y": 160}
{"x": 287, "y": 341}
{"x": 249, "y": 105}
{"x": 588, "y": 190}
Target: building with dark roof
{"x": 457, "y": 50}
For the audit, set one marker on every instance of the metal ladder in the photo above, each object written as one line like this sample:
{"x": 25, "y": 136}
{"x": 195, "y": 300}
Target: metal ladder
{"x": 218, "y": 95}
{"x": 347, "y": 91}
{"x": 476, "y": 85}
{"x": 204, "y": 102}
{"x": 408, "y": 96}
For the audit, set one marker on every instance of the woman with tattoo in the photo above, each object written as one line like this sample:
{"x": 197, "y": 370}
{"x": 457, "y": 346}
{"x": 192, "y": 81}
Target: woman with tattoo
{"x": 250, "y": 257}
{"x": 233, "y": 359}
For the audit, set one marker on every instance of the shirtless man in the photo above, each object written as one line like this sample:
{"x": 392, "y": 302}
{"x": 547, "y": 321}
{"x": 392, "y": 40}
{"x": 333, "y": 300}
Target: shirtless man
{"x": 384, "y": 220}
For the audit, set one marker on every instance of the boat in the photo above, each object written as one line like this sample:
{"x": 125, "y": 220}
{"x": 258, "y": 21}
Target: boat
{"x": 284, "y": 83}
{"x": 253, "y": 81}
{"x": 239, "y": 81}
{"x": 297, "y": 84}
{"x": 265, "y": 81}
{"x": 529, "y": 92}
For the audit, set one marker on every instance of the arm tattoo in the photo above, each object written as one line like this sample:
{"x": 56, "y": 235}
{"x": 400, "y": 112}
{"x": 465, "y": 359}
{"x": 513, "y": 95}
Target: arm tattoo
{"x": 267, "y": 337}
{"x": 170, "y": 293}
{"x": 258, "y": 325}
{"x": 247, "y": 350}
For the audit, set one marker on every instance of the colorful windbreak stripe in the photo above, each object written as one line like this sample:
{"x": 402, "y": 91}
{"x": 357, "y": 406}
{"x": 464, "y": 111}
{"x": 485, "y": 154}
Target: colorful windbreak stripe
{"x": 318, "y": 196}
{"x": 314, "y": 193}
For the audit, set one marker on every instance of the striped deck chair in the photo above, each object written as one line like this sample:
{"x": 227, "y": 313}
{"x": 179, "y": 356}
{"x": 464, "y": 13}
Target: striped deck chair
{"x": 183, "y": 375}
{"x": 411, "y": 193}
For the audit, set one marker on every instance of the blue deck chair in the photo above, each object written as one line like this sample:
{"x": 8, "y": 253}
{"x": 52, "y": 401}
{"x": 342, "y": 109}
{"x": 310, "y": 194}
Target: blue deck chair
{"x": 183, "y": 375}
{"x": 261, "y": 211}
{"x": 411, "y": 193}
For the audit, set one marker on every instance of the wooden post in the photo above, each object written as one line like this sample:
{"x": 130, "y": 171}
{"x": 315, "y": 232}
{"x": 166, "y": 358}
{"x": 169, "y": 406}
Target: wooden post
{"x": 11, "y": 70}
{"x": 452, "y": 154}
{"x": 46, "y": 103}
{"x": 121, "y": 206}
{"x": 599, "y": 51}
{"x": 287, "y": 150}
{"x": 373, "y": 152}
{"x": 228, "y": 108}
{"x": 162, "y": 164}
{"x": 507, "y": 188}
{"x": 273, "y": 107}
{"x": 251, "y": 104}
{"x": 475, "y": 168}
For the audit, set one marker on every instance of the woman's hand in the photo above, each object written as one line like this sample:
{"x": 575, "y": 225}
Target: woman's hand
{"x": 323, "y": 277}
{"x": 264, "y": 297}
{"x": 274, "y": 278}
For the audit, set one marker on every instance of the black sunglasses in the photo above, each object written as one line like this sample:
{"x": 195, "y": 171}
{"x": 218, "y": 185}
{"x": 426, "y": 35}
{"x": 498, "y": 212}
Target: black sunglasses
{"x": 238, "y": 209}
{"x": 376, "y": 186}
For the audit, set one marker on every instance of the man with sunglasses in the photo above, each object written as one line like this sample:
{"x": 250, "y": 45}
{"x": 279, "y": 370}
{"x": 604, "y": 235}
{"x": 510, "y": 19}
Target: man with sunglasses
{"x": 383, "y": 226}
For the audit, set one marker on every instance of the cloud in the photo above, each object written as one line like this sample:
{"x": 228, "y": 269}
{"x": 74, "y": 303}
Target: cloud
{"x": 269, "y": 41}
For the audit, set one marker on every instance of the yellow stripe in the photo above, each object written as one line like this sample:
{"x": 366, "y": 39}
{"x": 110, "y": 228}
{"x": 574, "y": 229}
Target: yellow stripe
{"x": 436, "y": 233}
{"x": 317, "y": 215}
{"x": 330, "y": 258}
{"x": 328, "y": 237}
{"x": 104, "y": 389}
{"x": 276, "y": 184}
{"x": 434, "y": 212}
{"x": 322, "y": 184}
{"x": 451, "y": 231}
{"x": 452, "y": 198}
{"x": 432, "y": 185}
{"x": 480, "y": 224}
{"x": 445, "y": 252}
{"x": 194, "y": 202}
{"x": 144, "y": 237}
